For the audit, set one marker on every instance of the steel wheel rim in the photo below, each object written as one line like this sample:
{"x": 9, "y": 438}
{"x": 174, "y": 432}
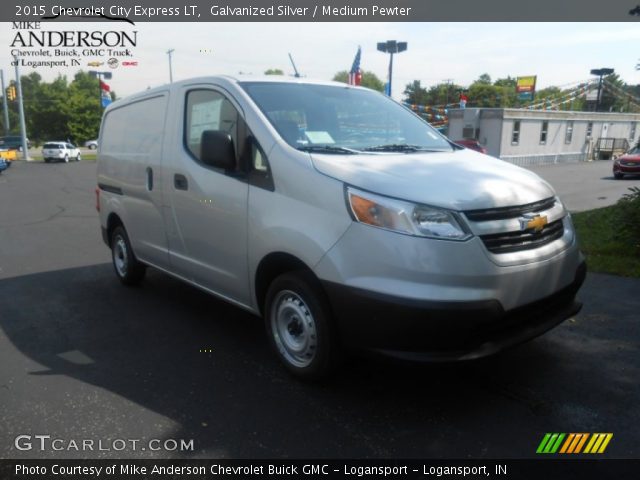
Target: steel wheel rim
{"x": 294, "y": 329}
{"x": 120, "y": 256}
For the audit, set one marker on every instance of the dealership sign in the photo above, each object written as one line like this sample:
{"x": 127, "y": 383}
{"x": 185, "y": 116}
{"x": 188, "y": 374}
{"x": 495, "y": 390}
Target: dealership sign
{"x": 526, "y": 87}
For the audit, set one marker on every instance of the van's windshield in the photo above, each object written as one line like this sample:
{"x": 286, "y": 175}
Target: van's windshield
{"x": 342, "y": 120}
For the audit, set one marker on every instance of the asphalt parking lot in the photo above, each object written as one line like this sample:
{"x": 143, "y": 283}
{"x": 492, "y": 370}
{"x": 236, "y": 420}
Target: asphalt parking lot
{"x": 82, "y": 357}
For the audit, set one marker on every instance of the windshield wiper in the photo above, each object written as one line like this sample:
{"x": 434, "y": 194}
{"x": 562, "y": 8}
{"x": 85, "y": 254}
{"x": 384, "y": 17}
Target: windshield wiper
{"x": 399, "y": 147}
{"x": 327, "y": 149}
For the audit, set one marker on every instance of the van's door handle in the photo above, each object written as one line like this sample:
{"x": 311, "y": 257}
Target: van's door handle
{"x": 149, "y": 178}
{"x": 180, "y": 182}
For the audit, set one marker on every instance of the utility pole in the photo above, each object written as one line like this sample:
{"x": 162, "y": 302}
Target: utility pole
{"x": 5, "y": 106}
{"x": 448, "y": 81}
{"x": 23, "y": 128}
{"x": 169, "y": 52}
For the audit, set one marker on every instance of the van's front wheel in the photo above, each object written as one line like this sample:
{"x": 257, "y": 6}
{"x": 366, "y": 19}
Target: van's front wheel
{"x": 128, "y": 269}
{"x": 298, "y": 322}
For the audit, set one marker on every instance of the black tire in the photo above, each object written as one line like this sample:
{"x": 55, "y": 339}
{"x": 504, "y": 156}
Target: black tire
{"x": 47, "y": 160}
{"x": 309, "y": 350}
{"x": 618, "y": 175}
{"x": 127, "y": 267}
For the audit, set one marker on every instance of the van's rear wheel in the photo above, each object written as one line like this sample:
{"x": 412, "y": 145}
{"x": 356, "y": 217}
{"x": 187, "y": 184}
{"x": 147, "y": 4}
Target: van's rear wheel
{"x": 299, "y": 325}
{"x": 128, "y": 269}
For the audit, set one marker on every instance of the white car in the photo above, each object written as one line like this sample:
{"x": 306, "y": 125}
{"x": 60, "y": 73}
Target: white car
{"x": 60, "y": 151}
{"x": 91, "y": 144}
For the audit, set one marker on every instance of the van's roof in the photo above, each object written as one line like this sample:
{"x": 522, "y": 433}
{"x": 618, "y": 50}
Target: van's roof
{"x": 229, "y": 79}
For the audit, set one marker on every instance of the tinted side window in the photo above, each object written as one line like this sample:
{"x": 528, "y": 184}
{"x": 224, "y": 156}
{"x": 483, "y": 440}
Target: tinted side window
{"x": 208, "y": 110}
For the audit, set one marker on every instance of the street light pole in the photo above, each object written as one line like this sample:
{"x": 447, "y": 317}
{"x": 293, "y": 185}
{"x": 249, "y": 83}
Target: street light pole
{"x": 600, "y": 72}
{"x": 5, "y": 107}
{"x": 23, "y": 127}
{"x": 169, "y": 52}
{"x": 391, "y": 47}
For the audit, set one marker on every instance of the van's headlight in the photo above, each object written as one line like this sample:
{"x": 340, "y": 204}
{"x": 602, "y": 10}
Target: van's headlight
{"x": 405, "y": 217}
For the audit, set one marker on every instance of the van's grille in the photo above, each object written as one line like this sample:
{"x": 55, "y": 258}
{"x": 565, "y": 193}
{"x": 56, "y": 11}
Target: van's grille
{"x": 516, "y": 241}
{"x": 502, "y": 213}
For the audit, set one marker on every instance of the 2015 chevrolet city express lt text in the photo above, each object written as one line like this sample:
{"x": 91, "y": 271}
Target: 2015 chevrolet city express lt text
{"x": 338, "y": 215}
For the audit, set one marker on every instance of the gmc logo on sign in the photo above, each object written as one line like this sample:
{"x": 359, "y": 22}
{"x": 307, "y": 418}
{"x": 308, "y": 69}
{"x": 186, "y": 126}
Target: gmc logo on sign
{"x": 129, "y": 64}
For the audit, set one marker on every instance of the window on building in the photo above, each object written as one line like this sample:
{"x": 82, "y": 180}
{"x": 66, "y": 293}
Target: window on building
{"x": 589, "y": 129}
{"x": 632, "y": 133}
{"x": 543, "y": 132}
{"x": 515, "y": 135}
{"x": 569, "y": 133}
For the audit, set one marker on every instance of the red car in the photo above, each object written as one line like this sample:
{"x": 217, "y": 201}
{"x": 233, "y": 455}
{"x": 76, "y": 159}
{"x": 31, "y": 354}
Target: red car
{"x": 472, "y": 145}
{"x": 627, "y": 164}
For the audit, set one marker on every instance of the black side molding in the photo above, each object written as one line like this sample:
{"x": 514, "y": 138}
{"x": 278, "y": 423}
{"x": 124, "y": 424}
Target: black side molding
{"x": 110, "y": 188}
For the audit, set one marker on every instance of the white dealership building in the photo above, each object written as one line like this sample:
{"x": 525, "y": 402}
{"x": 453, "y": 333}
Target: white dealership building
{"x": 528, "y": 137}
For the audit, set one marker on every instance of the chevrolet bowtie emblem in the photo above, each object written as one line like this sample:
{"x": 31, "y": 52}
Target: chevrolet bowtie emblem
{"x": 531, "y": 221}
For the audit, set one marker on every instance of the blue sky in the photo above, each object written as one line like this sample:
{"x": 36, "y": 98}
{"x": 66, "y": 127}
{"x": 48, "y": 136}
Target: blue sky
{"x": 558, "y": 53}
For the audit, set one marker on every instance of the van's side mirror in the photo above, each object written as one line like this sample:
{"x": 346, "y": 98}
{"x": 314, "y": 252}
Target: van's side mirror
{"x": 216, "y": 149}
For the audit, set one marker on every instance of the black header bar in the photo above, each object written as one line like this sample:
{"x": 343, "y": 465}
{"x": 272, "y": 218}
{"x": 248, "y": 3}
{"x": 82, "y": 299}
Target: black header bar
{"x": 322, "y": 10}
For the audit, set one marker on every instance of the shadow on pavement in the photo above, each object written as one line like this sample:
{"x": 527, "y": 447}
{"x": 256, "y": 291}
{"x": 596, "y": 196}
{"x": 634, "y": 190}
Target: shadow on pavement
{"x": 144, "y": 344}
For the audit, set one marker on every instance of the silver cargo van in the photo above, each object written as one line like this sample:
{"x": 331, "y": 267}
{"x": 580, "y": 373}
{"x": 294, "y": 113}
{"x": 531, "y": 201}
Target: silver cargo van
{"x": 338, "y": 215}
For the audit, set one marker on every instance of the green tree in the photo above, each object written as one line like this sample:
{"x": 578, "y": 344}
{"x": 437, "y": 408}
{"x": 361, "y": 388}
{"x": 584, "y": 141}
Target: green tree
{"x": 506, "y": 82}
{"x": 369, "y": 80}
{"x": 84, "y": 109}
{"x": 484, "y": 79}
{"x": 415, "y": 93}
{"x": 274, "y": 71}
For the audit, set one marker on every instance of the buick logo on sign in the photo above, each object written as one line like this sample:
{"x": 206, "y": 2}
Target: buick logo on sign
{"x": 113, "y": 62}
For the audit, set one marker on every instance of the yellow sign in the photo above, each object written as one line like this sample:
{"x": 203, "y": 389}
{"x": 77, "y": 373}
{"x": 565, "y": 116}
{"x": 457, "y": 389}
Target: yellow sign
{"x": 526, "y": 84}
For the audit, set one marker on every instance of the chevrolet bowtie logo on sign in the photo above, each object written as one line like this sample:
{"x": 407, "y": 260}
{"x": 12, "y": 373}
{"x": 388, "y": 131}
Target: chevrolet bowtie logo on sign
{"x": 574, "y": 443}
{"x": 533, "y": 222}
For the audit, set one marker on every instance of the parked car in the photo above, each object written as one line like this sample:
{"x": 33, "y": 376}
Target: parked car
{"x": 91, "y": 144}
{"x": 9, "y": 156}
{"x": 3, "y": 165}
{"x": 60, "y": 152}
{"x": 13, "y": 142}
{"x": 336, "y": 214}
{"x": 472, "y": 145}
{"x": 627, "y": 164}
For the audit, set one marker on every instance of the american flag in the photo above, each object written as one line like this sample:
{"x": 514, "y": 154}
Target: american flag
{"x": 105, "y": 96}
{"x": 355, "y": 75}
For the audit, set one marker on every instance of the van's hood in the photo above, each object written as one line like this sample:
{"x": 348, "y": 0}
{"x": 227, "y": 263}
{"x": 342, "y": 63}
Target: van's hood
{"x": 458, "y": 180}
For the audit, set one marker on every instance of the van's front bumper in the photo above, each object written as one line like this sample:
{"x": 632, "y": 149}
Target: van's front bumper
{"x": 436, "y": 299}
{"x": 444, "y": 331}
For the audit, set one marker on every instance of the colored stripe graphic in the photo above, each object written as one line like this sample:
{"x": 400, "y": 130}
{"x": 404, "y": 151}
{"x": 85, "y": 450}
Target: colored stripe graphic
{"x": 544, "y": 441}
{"x": 598, "y": 442}
{"x": 573, "y": 443}
{"x": 550, "y": 443}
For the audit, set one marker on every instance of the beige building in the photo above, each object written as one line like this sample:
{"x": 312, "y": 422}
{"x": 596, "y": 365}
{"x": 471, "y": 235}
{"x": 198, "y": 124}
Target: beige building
{"x": 529, "y": 137}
